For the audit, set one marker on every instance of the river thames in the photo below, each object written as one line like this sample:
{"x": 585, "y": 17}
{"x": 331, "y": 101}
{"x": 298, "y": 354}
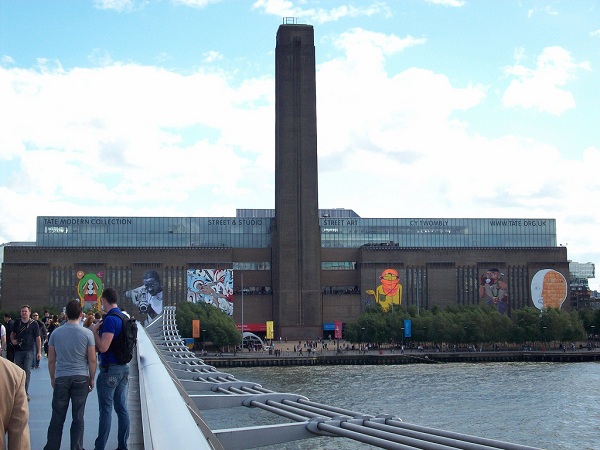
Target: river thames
{"x": 546, "y": 405}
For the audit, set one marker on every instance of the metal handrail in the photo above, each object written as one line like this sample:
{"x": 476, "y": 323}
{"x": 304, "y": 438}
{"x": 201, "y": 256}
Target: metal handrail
{"x": 176, "y": 428}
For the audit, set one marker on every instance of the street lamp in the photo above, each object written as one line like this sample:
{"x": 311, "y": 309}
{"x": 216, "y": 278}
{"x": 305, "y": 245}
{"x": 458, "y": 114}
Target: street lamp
{"x": 203, "y": 340}
{"x": 593, "y": 333}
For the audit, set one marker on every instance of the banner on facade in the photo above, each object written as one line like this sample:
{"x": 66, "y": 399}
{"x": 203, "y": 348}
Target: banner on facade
{"x": 407, "y": 328}
{"x": 338, "y": 329}
{"x": 196, "y": 328}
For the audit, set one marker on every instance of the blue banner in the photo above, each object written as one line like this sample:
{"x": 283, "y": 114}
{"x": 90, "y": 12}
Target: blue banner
{"x": 407, "y": 328}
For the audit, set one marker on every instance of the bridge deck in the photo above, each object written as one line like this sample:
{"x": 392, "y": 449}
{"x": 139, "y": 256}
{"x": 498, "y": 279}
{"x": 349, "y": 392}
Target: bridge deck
{"x": 40, "y": 411}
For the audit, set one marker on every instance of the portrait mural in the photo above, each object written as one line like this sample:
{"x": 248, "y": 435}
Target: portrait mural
{"x": 148, "y": 298}
{"x": 494, "y": 290}
{"x": 548, "y": 289}
{"x": 212, "y": 286}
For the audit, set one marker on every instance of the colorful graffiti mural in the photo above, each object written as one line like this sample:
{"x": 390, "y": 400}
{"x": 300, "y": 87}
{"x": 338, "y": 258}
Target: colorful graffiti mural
{"x": 494, "y": 289}
{"x": 212, "y": 286}
{"x": 548, "y": 289}
{"x": 89, "y": 290}
{"x": 389, "y": 292}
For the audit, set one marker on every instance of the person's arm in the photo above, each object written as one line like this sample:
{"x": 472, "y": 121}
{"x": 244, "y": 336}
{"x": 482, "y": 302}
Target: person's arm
{"x": 51, "y": 363}
{"x": 38, "y": 339}
{"x": 18, "y": 424}
{"x": 91, "y": 355}
{"x": 102, "y": 342}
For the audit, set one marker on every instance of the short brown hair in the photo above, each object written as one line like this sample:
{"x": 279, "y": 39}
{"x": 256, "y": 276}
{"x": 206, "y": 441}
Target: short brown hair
{"x": 73, "y": 309}
{"x": 110, "y": 295}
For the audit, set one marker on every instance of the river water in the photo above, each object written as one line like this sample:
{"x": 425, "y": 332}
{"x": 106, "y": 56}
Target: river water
{"x": 546, "y": 405}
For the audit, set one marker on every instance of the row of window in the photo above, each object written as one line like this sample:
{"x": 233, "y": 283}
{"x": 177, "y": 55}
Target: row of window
{"x": 255, "y": 232}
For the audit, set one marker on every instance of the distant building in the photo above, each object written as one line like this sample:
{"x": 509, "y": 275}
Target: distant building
{"x": 581, "y": 297}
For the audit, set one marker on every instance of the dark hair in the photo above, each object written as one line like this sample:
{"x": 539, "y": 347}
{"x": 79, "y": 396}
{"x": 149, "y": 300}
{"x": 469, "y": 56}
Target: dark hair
{"x": 151, "y": 274}
{"x": 110, "y": 295}
{"x": 73, "y": 309}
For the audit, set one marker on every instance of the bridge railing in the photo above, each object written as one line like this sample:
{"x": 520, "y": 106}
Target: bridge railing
{"x": 169, "y": 417}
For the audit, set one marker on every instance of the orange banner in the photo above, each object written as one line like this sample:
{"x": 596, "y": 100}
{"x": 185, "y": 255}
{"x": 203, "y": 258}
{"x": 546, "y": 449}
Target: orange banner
{"x": 195, "y": 328}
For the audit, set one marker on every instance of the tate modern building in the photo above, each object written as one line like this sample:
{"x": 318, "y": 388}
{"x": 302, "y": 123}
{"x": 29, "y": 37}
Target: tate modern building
{"x": 300, "y": 267}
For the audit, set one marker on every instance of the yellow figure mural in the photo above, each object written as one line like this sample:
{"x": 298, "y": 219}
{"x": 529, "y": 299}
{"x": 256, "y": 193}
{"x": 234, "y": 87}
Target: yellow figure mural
{"x": 389, "y": 292}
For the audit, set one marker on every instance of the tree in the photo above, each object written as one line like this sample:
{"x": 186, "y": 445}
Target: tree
{"x": 219, "y": 328}
{"x": 471, "y": 325}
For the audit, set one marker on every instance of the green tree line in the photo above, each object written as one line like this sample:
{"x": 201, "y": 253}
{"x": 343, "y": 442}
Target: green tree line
{"x": 472, "y": 324}
{"x": 219, "y": 328}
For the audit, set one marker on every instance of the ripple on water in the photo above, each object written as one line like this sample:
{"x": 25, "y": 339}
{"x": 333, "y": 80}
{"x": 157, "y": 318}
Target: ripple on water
{"x": 549, "y": 405}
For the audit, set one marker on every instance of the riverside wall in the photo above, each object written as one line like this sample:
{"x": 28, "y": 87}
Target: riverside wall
{"x": 374, "y": 358}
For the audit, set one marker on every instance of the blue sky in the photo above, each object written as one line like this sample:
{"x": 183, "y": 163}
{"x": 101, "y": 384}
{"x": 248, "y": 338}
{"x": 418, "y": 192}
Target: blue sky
{"x": 426, "y": 108}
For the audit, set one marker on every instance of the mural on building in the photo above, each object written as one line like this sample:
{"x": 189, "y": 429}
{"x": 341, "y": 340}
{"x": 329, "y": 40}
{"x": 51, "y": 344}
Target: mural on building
{"x": 389, "y": 292}
{"x": 89, "y": 290}
{"x": 148, "y": 297}
{"x": 494, "y": 289}
{"x": 212, "y": 286}
{"x": 548, "y": 289}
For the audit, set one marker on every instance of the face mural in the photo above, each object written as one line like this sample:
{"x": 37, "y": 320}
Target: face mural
{"x": 89, "y": 290}
{"x": 493, "y": 289}
{"x": 548, "y": 289}
{"x": 148, "y": 298}
{"x": 212, "y": 286}
{"x": 389, "y": 292}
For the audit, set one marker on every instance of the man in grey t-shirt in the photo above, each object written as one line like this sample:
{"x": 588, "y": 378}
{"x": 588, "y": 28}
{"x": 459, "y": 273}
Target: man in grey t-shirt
{"x": 72, "y": 366}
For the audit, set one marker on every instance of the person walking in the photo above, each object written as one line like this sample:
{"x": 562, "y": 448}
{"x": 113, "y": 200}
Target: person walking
{"x": 43, "y": 337}
{"x": 2, "y": 340}
{"x": 112, "y": 384}
{"x": 25, "y": 336}
{"x": 10, "y": 350}
{"x": 72, "y": 367}
{"x": 14, "y": 411}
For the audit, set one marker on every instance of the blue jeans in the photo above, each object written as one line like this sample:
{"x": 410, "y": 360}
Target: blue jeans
{"x": 112, "y": 386}
{"x": 73, "y": 388}
{"x": 24, "y": 359}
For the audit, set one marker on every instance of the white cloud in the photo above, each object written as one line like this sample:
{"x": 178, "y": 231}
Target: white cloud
{"x": 117, "y": 5}
{"x": 114, "y": 136}
{"x": 542, "y": 88}
{"x": 316, "y": 15}
{"x": 6, "y": 60}
{"x": 212, "y": 56}
{"x": 196, "y": 3}
{"x": 454, "y": 3}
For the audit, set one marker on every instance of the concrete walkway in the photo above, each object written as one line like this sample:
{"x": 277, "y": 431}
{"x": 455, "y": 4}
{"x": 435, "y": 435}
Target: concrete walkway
{"x": 40, "y": 412}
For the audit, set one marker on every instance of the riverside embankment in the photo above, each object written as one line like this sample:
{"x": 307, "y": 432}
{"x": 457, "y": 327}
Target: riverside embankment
{"x": 375, "y": 358}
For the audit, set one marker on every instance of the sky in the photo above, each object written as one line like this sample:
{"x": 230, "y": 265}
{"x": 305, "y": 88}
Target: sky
{"x": 425, "y": 109}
